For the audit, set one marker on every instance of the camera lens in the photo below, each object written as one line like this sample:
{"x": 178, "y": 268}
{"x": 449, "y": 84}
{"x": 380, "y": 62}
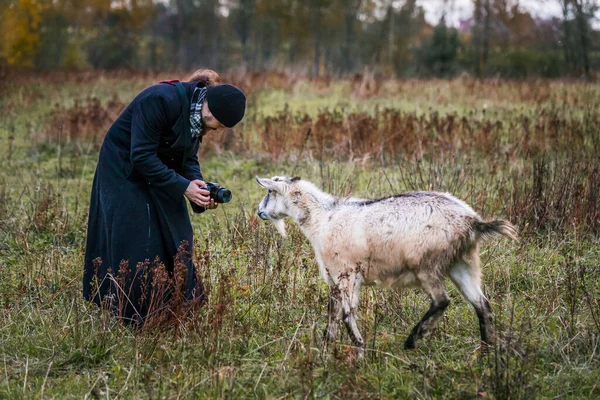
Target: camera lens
{"x": 223, "y": 196}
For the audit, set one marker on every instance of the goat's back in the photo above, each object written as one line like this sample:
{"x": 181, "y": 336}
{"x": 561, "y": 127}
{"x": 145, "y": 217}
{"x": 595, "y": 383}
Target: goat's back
{"x": 410, "y": 214}
{"x": 400, "y": 231}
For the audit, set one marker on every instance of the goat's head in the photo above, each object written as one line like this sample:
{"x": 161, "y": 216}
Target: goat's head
{"x": 276, "y": 205}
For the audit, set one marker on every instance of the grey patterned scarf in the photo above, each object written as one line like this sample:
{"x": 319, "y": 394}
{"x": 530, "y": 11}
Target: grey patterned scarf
{"x": 196, "y": 112}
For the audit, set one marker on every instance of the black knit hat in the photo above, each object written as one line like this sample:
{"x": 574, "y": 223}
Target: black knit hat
{"x": 226, "y": 103}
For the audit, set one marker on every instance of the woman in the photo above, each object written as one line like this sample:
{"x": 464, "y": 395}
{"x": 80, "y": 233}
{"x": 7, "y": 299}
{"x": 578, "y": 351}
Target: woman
{"x": 148, "y": 162}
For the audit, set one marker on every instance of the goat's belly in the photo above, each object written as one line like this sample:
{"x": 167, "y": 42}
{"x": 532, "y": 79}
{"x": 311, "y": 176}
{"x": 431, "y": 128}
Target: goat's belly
{"x": 392, "y": 279}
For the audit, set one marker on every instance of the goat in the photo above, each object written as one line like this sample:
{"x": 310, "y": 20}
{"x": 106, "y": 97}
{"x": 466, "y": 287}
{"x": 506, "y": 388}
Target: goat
{"x": 410, "y": 239}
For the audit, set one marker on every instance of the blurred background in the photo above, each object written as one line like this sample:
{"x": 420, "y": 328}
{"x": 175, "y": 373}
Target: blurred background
{"x": 400, "y": 38}
{"x": 494, "y": 101}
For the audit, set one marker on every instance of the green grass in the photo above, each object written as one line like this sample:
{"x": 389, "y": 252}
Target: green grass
{"x": 260, "y": 333}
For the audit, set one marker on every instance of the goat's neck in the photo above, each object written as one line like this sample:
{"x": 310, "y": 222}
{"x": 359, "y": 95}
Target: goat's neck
{"x": 311, "y": 212}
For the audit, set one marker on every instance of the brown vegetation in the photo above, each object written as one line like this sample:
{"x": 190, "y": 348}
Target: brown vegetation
{"x": 547, "y": 190}
{"x": 86, "y": 120}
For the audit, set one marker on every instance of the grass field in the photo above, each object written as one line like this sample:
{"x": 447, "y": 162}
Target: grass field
{"x": 525, "y": 151}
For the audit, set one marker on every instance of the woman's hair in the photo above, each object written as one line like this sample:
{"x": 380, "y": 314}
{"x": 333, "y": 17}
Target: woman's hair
{"x": 206, "y": 77}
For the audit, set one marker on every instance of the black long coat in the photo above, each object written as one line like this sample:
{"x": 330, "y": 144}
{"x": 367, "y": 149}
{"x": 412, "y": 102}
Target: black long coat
{"x": 137, "y": 210}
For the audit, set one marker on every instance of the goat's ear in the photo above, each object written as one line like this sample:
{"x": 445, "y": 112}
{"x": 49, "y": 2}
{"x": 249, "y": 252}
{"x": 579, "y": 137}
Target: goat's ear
{"x": 270, "y": 184}
{"x": 264, "y": 182}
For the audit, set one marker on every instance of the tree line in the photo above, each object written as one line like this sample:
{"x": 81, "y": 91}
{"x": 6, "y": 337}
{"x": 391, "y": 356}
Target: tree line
{"x": 315, "y": 37}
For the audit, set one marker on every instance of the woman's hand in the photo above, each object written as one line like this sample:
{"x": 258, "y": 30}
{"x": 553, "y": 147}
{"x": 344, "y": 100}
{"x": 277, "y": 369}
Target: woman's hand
{"x": 212, "y": 205}
{"x": 198, "y": 194}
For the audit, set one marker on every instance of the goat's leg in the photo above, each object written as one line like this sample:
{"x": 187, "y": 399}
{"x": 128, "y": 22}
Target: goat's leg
{"x": 333, "y": 314}
{"x": 350, "y": 292}
{"x": 439, "y": 303}
{"x": 466, "y": 275}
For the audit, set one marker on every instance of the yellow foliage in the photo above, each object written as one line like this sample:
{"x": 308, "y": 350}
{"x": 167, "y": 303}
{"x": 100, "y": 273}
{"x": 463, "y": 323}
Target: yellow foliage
{"x": 21, "y": 31}
{"x": 74, "y": 57}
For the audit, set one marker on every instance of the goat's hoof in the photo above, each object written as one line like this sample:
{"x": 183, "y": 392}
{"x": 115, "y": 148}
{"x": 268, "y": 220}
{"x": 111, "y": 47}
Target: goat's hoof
{"x": 360, "y": 354}
{"x": 355, "y": 356}
{"x": 410, "y": 343}
{"x": 483, "y": 348}
{"x": 324, "y": 348}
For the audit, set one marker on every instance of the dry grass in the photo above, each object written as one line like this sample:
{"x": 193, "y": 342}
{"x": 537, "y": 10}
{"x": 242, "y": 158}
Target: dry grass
{"x": 530, "y": 156}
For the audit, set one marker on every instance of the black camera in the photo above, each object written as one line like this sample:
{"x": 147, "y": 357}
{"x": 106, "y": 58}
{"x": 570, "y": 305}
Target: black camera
{"x": 218, "y": 193}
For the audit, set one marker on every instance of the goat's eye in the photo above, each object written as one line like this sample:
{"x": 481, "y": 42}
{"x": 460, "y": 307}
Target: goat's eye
{"x": 269, "y": 191}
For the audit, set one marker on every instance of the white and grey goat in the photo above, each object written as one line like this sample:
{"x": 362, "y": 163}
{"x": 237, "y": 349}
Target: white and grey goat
{"x": 410, "y": 239}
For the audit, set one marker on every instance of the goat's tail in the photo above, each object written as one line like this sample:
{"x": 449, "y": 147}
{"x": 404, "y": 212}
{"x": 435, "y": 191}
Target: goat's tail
{"x": 487, "y": 230}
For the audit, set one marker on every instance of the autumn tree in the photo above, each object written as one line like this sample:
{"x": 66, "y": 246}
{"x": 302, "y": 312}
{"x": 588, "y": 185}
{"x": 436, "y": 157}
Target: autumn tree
{"x": 21, "y": 22}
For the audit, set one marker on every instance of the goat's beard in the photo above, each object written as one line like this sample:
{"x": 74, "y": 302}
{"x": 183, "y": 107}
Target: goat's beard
{"x": 280, "y": 225}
